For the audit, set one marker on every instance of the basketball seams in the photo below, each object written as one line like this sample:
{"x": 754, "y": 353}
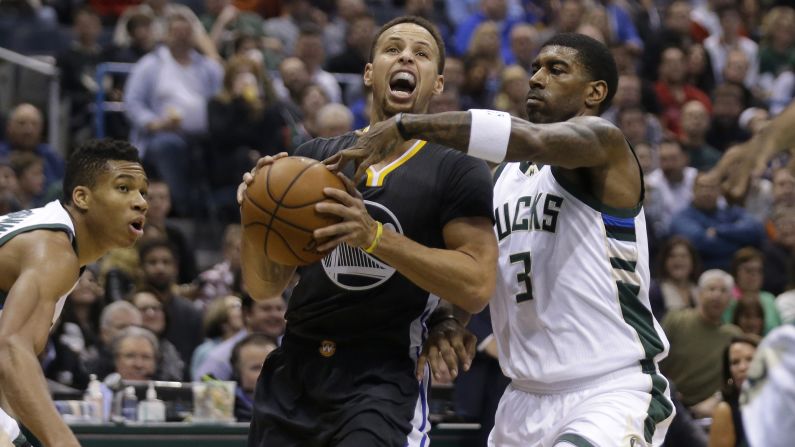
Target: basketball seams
{"x": 280, "y": 219}
{"x": 269, "y": 230}
{"x": 279, "y": 202}
{"x": 293, "y": 224}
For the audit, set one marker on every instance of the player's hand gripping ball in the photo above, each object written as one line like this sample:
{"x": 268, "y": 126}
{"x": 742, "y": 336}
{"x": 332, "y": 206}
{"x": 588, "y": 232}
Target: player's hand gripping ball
{"x": 278, "y": 209}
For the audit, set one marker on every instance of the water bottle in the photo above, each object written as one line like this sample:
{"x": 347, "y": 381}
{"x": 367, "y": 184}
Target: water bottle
{"x": 94, "y": 397}
{"x": 129, "y": 405}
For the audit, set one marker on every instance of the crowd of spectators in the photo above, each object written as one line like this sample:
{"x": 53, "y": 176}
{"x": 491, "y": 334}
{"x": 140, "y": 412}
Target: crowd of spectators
{"x": 215, "y": 85}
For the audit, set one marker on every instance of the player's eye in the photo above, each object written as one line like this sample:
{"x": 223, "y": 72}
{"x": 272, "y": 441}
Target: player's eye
{"x": 144, "y": 193}
{"x": 556, "y": 71}
{"x": 391, "y": 50}
{"x": 422, "y": 54}
{"x": 123, "y": 188}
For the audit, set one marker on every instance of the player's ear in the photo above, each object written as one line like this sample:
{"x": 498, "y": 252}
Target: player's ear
{"x": 438, "y": 85}
{"x": 368, "y": 75}
{"x": 81, "y": 197}
{"x": 597, "y": 92}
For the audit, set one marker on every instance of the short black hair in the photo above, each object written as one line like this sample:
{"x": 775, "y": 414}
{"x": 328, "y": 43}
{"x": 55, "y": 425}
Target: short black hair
{"x": 89, "y": 160}
{"x": 430, "y": 27}
{"x": 595, "y": 57}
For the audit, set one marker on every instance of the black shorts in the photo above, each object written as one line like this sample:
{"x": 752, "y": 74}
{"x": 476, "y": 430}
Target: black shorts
{"x": 346, "y": 397}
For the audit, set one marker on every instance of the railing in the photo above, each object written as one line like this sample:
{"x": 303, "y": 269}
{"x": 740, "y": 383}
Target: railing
{"x": 54, "y": 97}
{"x": 103, "y": 106}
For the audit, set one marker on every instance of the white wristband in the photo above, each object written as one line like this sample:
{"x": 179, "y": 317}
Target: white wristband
{"x": 489, "y": 135}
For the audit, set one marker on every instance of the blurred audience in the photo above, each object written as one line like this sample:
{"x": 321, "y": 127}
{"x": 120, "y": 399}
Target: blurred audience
{"x": 136, "y": 354}
{"x": 24, "y": 134}
{"x": 727, "y": 422}
{"x": 247, "y": 358}
{"x": 259, "y": 317}
{"x": 223, "y": 318}
{"x": 170, "y": 366}
{"x": 716, "y": 232}
{"x": 159, "y": 263}
{"x": 223, "y": 278}
{"x": 115, "y": 317}
{"x": 166, "y": 101}
{"x": 698, "y": 337}
{"x": 677, "y": 272}
{"x": 748, "y": 272}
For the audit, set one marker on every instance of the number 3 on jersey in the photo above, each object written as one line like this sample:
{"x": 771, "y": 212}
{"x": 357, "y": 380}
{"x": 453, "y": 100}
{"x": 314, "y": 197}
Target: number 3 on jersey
{"x": 524, "y": 276}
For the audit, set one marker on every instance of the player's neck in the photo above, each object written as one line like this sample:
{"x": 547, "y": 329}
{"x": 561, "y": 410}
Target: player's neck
{"x": 88, "y": 248}
{"x": 378, "y": 116}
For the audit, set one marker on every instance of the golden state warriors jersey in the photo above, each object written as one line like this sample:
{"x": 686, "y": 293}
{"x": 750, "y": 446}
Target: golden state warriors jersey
{"x": 571, "y": 305}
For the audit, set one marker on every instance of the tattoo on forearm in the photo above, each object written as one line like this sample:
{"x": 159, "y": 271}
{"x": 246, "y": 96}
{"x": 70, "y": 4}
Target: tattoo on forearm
{"x": 449, "y": 129}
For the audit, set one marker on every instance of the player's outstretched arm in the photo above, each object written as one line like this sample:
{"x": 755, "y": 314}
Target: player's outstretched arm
{"x": 741, "y": 162}
{"x": 580, "y": 142}
{"x": 48, "y": 270}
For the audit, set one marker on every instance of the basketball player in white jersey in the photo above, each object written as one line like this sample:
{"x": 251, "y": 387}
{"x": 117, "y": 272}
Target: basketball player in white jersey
{"x": 571, "y": 314}
{"x": 42, "y": 253}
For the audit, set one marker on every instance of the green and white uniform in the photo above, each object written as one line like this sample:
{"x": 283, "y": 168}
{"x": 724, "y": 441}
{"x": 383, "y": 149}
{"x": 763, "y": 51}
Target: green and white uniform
{"x": 53, "y": 217}
{"x": 571, "y": 318}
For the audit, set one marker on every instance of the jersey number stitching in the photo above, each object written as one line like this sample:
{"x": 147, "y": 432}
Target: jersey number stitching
{"x": 523, "y": 277}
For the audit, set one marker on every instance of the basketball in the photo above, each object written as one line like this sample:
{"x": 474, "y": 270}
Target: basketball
{"x": 278, "y": 210}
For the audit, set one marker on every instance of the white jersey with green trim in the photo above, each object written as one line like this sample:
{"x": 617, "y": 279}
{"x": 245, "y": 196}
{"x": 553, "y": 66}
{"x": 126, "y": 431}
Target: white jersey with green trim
{"x": 53, "y": 217}
{"x": 571, "y": 305}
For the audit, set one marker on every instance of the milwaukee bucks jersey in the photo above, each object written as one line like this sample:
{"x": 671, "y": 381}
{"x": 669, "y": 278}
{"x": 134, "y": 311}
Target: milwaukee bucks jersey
{"x": 52, "y": 216}
{"x": 571, "y": 304}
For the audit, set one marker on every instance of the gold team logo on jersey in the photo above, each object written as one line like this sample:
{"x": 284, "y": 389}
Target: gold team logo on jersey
{"x": 327, "y": 348}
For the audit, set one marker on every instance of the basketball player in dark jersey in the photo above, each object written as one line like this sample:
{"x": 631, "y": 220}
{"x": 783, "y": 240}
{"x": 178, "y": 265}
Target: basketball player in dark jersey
{"x": 417, "y": 229}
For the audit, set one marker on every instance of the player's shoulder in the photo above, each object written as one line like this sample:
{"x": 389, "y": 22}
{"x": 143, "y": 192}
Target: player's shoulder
{"x": 322, "y": 148}
{"x": 46, "y": 253}
{"x": 608, "y": 134}
{"x": 452, "y": 159}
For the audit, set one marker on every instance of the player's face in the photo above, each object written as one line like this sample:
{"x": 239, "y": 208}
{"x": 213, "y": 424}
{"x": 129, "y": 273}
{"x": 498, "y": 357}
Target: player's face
{"x": 118, "y": 202}
{"x": 403, "y": 74}
{"x": 740, "y": 356}
{"x": 559, "y": 86}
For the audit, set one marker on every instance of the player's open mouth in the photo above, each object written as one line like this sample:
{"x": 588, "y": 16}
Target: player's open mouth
{"x": 137, "y": 226}
{"x": 402, "y": 84}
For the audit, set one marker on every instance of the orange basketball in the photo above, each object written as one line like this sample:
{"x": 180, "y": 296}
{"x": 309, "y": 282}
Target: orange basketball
{"x": 278, "y": 211}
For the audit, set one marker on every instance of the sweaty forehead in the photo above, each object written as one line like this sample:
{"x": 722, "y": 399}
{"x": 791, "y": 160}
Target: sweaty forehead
{"x": 410, "y": 33}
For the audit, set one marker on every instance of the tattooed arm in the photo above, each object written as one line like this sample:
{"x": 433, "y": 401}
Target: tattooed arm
{"x": 576, "y": 143}
{"x": 581, "y": 142}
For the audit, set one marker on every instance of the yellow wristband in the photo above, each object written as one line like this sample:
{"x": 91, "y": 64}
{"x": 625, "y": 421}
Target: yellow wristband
{"x": 378, "y": 232}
